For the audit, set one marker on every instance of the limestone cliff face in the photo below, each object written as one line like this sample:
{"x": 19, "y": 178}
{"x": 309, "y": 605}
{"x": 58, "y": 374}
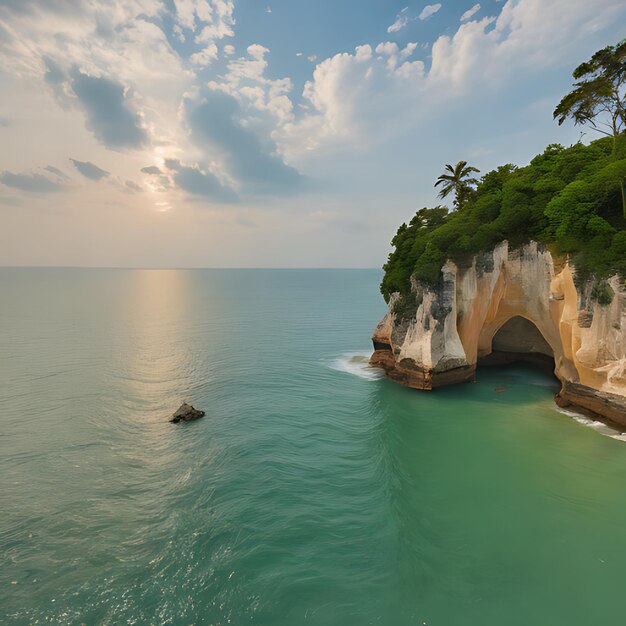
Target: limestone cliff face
{"x": 487, "y": 311}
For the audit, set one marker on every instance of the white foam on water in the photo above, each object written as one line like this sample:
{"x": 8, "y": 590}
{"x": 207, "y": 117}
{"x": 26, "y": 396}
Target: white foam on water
{"x": 600, "y": 427}
{"x": 356, "y": 363}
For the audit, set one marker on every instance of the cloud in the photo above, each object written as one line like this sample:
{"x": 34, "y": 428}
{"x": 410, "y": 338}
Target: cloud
{"x": 399, "y": 24}
{"x": 246, "y": 81}
{"x": 403, "y": 18}
{"x": 390, "y": 50}
{"x": 194, "y": 179}
{"x": 29, "y": 181}
{"x": 207, "y": 20}
{"x": 215, "y": 126}
{"x": 354, "y": 99}
{"x": 57, "y": 172}
{"x": 393, "y": 53}
{"x": 129, "y": 43}
{"x": 428, "y": 10}
{"x": 109, "y": 117}
{"x": 159, "y": 180}
{"x": 58, "y": 6}
{"x": 221, "y": 23}
{"x": 55, "y": 77}
{"x": 151, "y": 169}
{"x": 89, "y": 170}
{"x": 206, "y": 56}
{"x": 470, "y": 13}
{"x": 229, "y": 50}
{"x": 355, "y": 96}
{"x": 257, "y": 51}
{"x": 198, "y": 182}
{"x": 388, "y": 47}
{"x": 408, "y": 50}
{"x": 132, "y": 186}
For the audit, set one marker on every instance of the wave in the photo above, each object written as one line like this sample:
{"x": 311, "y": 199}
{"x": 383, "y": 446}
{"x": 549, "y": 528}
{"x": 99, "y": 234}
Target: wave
{"x": 356, "y": 363}
{"x": 598, "y": 426}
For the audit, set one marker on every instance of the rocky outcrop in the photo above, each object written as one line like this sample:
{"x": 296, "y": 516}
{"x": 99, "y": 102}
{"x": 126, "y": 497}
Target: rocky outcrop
{"x": 186, "y": 413}
{"x": 508, "y": 304}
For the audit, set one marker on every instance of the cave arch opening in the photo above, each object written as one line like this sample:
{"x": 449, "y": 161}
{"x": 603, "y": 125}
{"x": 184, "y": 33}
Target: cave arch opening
{"x": 518, "y": 340}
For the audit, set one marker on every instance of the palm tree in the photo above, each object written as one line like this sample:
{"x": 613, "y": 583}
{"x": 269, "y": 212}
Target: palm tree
{"x": 457, "y": 179}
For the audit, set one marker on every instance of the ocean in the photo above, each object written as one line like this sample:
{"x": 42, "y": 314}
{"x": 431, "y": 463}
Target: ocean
{"x": 314, "y": 491}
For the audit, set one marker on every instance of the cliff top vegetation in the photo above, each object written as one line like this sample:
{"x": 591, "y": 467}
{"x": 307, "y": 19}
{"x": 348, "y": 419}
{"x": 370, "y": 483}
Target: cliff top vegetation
{"x": 571, "y": 199}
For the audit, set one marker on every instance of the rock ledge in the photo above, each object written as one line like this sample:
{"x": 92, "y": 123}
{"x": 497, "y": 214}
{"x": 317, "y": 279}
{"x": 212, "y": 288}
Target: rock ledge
{"x": 522, "y": 305}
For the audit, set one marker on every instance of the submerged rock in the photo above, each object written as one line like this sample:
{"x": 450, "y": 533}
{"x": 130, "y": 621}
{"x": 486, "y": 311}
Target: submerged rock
{"x": 186, "y": 413}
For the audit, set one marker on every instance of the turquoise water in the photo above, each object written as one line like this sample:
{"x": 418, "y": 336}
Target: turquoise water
{"x": 311, "y": 493}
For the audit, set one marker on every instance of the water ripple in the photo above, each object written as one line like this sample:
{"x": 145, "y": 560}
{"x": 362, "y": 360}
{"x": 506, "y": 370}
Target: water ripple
{"x": 312, "y": 492}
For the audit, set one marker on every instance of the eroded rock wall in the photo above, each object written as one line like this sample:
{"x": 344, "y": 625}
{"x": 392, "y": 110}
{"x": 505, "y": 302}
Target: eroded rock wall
{"x": 453, "y": 327}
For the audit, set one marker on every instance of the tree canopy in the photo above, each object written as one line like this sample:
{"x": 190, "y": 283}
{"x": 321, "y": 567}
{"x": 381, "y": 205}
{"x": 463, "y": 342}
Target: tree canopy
{"x": 567, "y": 198}
{"x": 571, "y": 199}
{"x": 599, "y": 95}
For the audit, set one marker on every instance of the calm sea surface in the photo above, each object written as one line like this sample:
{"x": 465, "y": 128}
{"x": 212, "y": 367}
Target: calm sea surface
{"x": 312, "y": 492}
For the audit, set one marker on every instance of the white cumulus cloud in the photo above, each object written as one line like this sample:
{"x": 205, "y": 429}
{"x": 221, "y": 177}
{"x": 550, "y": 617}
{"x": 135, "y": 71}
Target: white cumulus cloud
{"x": 470, "y": 13}
{"x": 246, "y": 81}
{"x": 399, "y": 24}
{"x": 206, "y": 56}
{"x": 408, "y": 50}
{"x": 354, "y": 98}
{"x": 428, "y": 10}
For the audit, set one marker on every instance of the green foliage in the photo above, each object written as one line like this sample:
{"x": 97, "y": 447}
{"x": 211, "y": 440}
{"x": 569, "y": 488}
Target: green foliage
{"x": 457, "y": 179}
{"x": 407, "y": 246}
{"x": 598, "y": 98}
{"x": 602, "y": 293}
{"x": 567, "y": 198}
{"x": 406, "y": 305}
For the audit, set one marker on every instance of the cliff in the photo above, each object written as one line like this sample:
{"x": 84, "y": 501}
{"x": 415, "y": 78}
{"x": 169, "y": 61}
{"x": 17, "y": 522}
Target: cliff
{"x": 506, "y": 305}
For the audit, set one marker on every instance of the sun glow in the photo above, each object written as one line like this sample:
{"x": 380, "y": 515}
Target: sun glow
{"x": 163, "y": 207}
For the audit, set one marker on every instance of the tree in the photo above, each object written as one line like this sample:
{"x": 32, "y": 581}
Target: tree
{"x": 457, "y": 179}
{"x": 599, "y": 96}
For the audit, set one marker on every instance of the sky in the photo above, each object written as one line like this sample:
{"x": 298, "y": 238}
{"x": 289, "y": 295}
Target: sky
{"x": 278, "y": 133}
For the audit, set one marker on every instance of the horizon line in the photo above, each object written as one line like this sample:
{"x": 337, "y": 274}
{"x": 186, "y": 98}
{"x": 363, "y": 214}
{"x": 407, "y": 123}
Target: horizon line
{"x": 138, "y": 267}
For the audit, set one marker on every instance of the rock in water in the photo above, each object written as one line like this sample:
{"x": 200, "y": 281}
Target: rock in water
{"x": 186, "y": 413}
